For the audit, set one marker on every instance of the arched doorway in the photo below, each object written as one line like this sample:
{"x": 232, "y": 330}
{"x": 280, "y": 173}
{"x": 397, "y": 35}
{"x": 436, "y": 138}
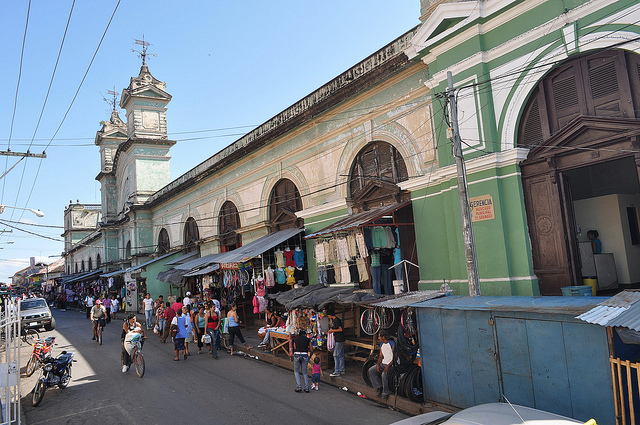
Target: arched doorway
{"x": 582, "y": 129}
{"x": 191, "y": 235}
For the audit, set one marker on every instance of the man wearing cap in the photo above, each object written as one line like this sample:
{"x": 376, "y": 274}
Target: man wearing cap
{"x": 98, "y": 313}
{"x": 187, "y": 300}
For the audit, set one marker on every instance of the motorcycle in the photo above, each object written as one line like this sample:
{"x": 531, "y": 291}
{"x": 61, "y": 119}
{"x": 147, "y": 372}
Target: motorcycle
{"x": 41, "y": 350}
{"x": 55, "y": 371}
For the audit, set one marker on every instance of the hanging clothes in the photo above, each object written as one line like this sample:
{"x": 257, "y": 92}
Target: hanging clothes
{"x": 333, "y": 250}
{"x": 279, "y": 259}
{"x": 379, "y": 237}
{"x": 351, "y": 244}
{"x": 291, "y": 280}
{"x": 288, "y": 256}
{"x": 361, "y": 264}
{"x": 269, "y": 277}
{"x": 281, "y": 276}
{"x": 343, "y": 249}
{"x": 345, "y": 273}
{"x": 298, "y": 257}
{"x": 318, "y": 249}
{"x": 391, "y": 240}
{"x": 362, "y": 246}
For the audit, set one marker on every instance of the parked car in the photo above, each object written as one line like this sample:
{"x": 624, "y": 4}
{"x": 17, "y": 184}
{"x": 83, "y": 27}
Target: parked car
{"x": 35, "y": 314}
{"x": 490, "y": 414}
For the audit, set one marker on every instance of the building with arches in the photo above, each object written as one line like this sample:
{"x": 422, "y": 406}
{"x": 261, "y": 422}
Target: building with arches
{"x": 547, "y": 98}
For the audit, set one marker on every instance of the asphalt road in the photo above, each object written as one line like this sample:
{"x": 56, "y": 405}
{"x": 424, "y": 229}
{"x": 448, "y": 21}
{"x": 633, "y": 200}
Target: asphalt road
{"x": 231, "y": 390}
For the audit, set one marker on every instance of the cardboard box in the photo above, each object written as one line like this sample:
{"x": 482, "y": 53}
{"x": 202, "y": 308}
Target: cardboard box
{"x": 324, "y": 360}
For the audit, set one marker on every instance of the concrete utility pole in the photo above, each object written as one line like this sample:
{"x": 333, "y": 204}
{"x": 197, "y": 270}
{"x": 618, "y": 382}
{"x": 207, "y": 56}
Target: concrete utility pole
{"x": 467, "y": 226}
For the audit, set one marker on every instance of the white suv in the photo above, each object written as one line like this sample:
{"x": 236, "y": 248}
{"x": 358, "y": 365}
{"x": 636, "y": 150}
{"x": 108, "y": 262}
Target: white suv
{"x": 35, "y": 314}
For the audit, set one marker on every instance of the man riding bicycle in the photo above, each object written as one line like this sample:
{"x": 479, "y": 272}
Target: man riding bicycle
{"x": 130, "y": 328}
{"x": 98, "y": 316}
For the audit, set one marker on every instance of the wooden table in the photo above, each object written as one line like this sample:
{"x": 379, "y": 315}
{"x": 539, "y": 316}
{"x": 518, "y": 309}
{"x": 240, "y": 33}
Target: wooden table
{"x": 279, "y": 341}
{"x": 361, "y": 350}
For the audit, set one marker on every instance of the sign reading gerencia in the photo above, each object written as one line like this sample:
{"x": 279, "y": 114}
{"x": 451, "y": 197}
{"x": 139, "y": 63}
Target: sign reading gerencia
{"x": 482, "y": 208}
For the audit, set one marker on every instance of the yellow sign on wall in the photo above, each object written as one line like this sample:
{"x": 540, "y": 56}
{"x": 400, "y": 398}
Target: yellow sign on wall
{"x": 482, "y": 208}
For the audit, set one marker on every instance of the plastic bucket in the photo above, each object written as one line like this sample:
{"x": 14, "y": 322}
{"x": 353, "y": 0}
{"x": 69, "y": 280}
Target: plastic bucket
{"x": 591, "y": 281}
{"x": 577, "y": 291}
{"x": 398, "y": 286}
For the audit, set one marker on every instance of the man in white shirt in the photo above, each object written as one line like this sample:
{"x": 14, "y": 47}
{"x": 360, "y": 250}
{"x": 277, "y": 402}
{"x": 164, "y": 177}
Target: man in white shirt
{"x": 187, "y": 301}
{"x": 378, "y": 373}
{"x": 148, "y": 309}
{"x": 88, "y": 304}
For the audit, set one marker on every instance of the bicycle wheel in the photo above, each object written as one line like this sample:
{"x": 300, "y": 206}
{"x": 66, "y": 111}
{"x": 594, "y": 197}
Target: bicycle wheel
{"x": 32, "y": 365}
{"x": 99, "y": 331}
{"x": 138, "y": 362}
{"x": 370, "y": 321}
{"x": 387, "y": 317}
{"x": 30, "y": 336}
{"x": 224, "y": 339}
{"x": 408, "y": 321}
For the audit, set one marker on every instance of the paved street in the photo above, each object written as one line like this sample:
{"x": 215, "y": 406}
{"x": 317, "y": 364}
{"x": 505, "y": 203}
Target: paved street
{"x": 199, "y": 390}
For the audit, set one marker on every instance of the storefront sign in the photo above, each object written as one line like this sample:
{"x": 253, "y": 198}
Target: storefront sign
{"x": 482, "y": 208}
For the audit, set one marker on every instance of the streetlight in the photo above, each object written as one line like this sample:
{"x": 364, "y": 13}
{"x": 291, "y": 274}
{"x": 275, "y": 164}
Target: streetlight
{"x": 38, "y": 213}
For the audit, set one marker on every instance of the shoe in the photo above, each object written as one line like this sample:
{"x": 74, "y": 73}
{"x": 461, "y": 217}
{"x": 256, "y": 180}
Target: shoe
{"x": 379, "y": 392}
{"x": 261, "y": 345}
{"x": 385, "y": 396}
{"x": 298, "y": 390}
{"x": 93, "y": 339}
{"x": 343, "y": 373}
{"x": 334, "y": 374}
{"x": 306, "y": 390}
{"x": 317, "y": 387}
{"x": 125, "y": 368}
{"x": 313, "y": 386}
{"x": 185, "y": 356}
{"x": 199, "y": 351}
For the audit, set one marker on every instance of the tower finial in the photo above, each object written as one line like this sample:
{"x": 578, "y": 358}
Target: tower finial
{"x": 114, "y": 101}
{"x": 143, "y": 53}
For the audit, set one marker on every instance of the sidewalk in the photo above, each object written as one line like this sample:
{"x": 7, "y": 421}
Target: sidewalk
{"x": 352, "y": 380}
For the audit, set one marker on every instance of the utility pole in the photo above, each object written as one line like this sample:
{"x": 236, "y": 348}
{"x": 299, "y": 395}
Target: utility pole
{"x": 467, "y": 226}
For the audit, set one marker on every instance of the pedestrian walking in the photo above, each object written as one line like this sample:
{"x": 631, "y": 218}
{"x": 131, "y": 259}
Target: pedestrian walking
{"x": 234, "y": 328}
{"x": 300, "y": 348}
{"x": 180, "y": 324}
{"x": 200, "y": 323}
{"x": 107, "y": 306}
{"x": 186, "y": 313}
{"x": 88, "y": 304}
{"x": 148, "y": 309}
{"x": 114, "y": 307}
{"x": 160, "y": 320}
{"x": 316, "y": 373}
{"x": 212, "y": 318}
{"x": 169, "y": 314}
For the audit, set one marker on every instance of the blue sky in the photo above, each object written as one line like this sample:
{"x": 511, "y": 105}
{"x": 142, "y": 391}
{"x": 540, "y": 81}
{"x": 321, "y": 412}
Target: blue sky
{"x": 229, "y": 66}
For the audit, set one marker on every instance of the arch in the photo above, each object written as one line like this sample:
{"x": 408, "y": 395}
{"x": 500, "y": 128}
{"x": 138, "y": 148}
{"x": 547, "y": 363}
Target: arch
{"x": 98, "y": 261}
{"x": 284, "y": 202}
{"x": 538, "y": 69}
{"x": 191, "y": 235}
{"x": 228, "y": 225}
{"x": 77, "y": 267}
{"x": 82, "y": 265}
{"x": 127, "y": 250}
{"x": 374, "y": 174}
{"x": 164, "y": 243}
{"x": 90, "y": 265}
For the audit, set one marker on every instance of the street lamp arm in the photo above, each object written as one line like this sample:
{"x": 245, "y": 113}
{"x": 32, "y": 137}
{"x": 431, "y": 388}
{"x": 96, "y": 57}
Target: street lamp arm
{"x": 38, "y": 213}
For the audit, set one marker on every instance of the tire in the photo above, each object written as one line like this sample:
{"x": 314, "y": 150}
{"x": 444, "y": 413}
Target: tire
{"x": 224, "y": 340}
{"x": 51, "y": 326}
{"x": 138, "y": 362}
{"x": 38, "y": 392}
{"x": 65, "y": 378}
{"x": 30, "y": 336}
{"x": 99, "y": 335}
{"x": 408, "y": 321}
{"x": 32, "y": 365}
{"x": 365, "y": 371}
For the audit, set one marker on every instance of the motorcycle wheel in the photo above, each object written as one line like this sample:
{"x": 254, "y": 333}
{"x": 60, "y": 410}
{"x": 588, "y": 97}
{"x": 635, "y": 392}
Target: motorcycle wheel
{"x": 65, "y": 378}
{"x": 138, "y": 362}
{"x": 32, "y": 365}
{"x": 38, "y": 392}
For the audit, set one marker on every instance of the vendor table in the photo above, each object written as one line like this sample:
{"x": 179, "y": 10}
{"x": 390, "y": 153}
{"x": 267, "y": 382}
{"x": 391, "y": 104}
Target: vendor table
{"x": 279, "y": 341}
{"x": 360, "y": 349}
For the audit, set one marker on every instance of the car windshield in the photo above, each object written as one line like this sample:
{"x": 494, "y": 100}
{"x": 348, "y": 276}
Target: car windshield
{"x": 31, "y": 304}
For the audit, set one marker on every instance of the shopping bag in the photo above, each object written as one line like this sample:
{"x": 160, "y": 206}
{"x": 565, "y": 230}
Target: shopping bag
{"x": 331, "y": 341}
{"x": 206, "y": 339}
